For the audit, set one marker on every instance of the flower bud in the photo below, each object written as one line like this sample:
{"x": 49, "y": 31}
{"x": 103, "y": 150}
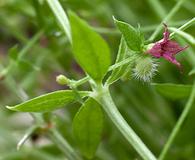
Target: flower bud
{"x": 62, "y": 80}
{"x": 145, "y": 68}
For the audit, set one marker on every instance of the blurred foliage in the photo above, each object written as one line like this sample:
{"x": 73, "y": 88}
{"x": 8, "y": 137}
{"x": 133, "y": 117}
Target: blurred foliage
{"x": 33, "y": 51}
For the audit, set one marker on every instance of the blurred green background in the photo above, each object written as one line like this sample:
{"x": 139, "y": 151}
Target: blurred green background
{"x": 34, "y": 50}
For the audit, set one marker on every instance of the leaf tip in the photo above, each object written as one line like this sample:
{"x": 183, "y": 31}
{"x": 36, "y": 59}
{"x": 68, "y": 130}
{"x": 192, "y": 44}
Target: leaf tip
{"x": 10, "y": 108}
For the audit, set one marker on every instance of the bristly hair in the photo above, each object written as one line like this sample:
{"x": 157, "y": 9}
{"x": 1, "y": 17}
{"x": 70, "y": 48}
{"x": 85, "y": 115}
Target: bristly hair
{"x": 145, "y": 69}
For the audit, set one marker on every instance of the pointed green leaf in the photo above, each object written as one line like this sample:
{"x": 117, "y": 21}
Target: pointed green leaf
{"x": 87, "y": 127}
{"x": 173, "y": 91}
{"x": 47, "y": 102}
{"x": 122, "y": 54}
{"x": 89, "y": 48}
{"x": 133, "y": 37}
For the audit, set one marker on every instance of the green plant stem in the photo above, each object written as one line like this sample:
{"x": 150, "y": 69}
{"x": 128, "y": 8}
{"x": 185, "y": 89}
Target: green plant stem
{"x": 145, "y": 29}
{"x": 189, "y": 5}
{"x": 15, "y": 33}
{"x": 153, "y": 27}
{"x": 114, "y": 66}
{"x": 63, "y": 145}
{"x": 30, "y": 44}
{"x": 179, "y": 123}
{"x": 57, "y": 138}
{"x": 158, "y": 8}
{"x": 183, "y": 27}
{"x": 166, "y": 19}
{"x": 121, "y": 63}
{"x": 81, "y": 81}
{"x": 103, "y": 97}
{"x": 28, "y": 133}
{"x": 22, "y": 53}
{"x": 110, "y": 31}
{"x": 149, "y": 28}
{"x": 184, "y": 35}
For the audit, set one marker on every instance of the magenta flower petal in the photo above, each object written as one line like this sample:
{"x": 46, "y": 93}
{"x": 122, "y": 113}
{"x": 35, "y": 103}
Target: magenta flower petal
{"x": 171, "y": 59}
{"x": 173, "y": 47}
{"x": 156, "y": 50}
{"x": 166, "y": 48}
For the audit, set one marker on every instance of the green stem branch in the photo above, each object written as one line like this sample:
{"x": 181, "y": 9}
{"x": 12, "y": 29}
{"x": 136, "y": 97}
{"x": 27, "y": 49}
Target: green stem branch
{"x": 104, "y": 98}
{"x": 179, "y": 123}
{"x": 121, "y": 63}
{"x": 114, "y": 66}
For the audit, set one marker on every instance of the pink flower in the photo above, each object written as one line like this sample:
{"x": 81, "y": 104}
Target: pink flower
{"x": 166, "y": 48}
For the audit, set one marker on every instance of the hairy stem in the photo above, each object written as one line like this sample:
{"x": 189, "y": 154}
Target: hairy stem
{"x": 179, "y": 123}
{"x": 104, "y": 98}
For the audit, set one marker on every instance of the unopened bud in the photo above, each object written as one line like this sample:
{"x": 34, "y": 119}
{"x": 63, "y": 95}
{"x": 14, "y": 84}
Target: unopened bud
{"x": 62, "y": 80}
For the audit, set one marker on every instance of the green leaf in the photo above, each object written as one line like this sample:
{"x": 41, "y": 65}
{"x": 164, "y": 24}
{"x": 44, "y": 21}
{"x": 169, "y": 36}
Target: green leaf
{"x": 87, "y": 127}
{"x": 60, "y": 16}
{"x": 90, "y": 50}
{"x": 173, "y": 91}
{"x": 120, "y": 71}
{"x": 133, "y": 37}
{"x": 48, "y": 102}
